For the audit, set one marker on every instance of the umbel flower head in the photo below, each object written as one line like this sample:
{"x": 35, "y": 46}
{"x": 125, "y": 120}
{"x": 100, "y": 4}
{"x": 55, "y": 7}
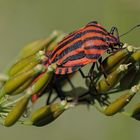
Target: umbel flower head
{"x": 33, "y": 76}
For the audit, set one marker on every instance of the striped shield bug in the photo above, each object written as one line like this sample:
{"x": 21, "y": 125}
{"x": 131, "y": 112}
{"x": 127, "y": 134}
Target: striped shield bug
{"x": 83, "y": 46}
{"x": 48, "y": 70}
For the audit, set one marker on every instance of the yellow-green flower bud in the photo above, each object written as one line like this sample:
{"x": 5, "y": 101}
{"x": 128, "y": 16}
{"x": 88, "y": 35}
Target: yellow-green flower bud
{"x": 105, "y": 84}
{"x": 44, "y": 80}
{"x": 114, "y": 60}
{"x": 16, "y": 81}
{"x": 128, "y": 79}
{"x": 38, "y": 45}
{"x": 136, "y": 112}
{"x": 23, "y": 87}
{"x": 55, "y": 42}
{"x": 26, "y": 63}
{"x": 48, "y": 113}
{"x": 121, "y": 102}
{"x": 135, "y": 56}
{"x": 16, "y": 111}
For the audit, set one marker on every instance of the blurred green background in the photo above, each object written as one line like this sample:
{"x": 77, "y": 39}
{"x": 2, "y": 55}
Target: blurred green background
{"x": 22, "y": 21}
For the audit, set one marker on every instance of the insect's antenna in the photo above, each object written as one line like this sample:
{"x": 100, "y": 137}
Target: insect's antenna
{"x": 130, "y": 30}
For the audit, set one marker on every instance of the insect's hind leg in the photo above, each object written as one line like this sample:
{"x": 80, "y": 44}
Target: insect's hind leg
{"x": 69, "y": 81}
{"x": 49, "y": 97}
{"x": 59, "y": 91}
{"x": 91, "y": 72}
{"x": 82, "y": 74}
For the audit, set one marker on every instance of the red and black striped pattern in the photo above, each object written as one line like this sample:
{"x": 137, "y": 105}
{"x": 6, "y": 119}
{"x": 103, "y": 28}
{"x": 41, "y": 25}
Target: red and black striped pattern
{"x": 81, "y": 47}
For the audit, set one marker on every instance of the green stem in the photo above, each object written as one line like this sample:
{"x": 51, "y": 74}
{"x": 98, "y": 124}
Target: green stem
{"x": 5, "y": 105}
{"x": 26, "y": 122}
{"x": 1, "y": 121}
{"x": 126, "y": 113}
{"x": 100, "y": 109}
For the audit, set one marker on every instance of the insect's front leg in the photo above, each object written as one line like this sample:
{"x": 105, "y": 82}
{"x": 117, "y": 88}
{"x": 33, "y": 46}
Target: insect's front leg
{"x": 91, "y": 72}
{"x": 102, "y": 69}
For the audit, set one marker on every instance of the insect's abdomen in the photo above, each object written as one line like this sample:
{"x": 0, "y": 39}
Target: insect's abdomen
{"x": 79, "y": 48}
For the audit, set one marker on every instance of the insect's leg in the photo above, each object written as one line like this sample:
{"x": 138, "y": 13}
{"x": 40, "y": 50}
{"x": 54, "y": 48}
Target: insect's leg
{"x": 102, "y": 99}
{"x": 60, "y": 93}
{"x": 92, "y": 87}
{"x": 90, "y": 73}
{"x": 69, "y": 81}
{"x": 82, "y": 74}
{"x": 102, "y": 69}
{"x": 49, "y": 97}
{"x": 54, "y": 99}
{"x": 86, "y": 98}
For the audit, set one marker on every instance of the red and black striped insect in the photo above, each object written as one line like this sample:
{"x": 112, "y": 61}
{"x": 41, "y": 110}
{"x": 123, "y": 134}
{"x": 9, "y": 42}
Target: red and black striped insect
{"x": 83, "y": 46}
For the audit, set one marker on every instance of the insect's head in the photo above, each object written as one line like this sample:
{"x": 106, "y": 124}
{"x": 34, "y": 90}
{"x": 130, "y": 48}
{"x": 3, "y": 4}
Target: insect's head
{"x": 113, "y": 38}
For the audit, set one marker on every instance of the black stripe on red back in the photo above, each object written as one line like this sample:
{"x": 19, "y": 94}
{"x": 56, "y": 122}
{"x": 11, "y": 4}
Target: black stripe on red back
{"x": 75, "y": 46}
{"x": 76, "y": 36}
{"x": 73, "y": 57}
{"x": 99, "y": 47}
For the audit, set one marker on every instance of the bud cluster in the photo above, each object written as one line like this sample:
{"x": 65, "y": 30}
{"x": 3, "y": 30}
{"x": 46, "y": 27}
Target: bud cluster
{"x": 30, "y": 77}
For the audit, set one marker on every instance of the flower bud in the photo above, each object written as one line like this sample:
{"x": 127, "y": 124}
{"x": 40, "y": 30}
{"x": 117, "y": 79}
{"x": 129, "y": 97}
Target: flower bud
{"x": 16, "y": 81}
{"x": 135, "y": 56}
{"x": 55, "y": 42}
{"x": 137, "y": 78}
{"x": 16, "y": 111}
{"x": 121, "y": 102}
{"x": 113, "y": 61}
{"x": 48, "y": 113}
{"x": 43, "y": 80}
{"x": 38, "y": 45}
{"x": 23, "y": 87}
{"x": 128, "y": 79}
{"x": 112, "y": 79}
{"x": 136, "y": 112}
{"x": 25, "y": 64}
{"x": 118, "y": 104}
